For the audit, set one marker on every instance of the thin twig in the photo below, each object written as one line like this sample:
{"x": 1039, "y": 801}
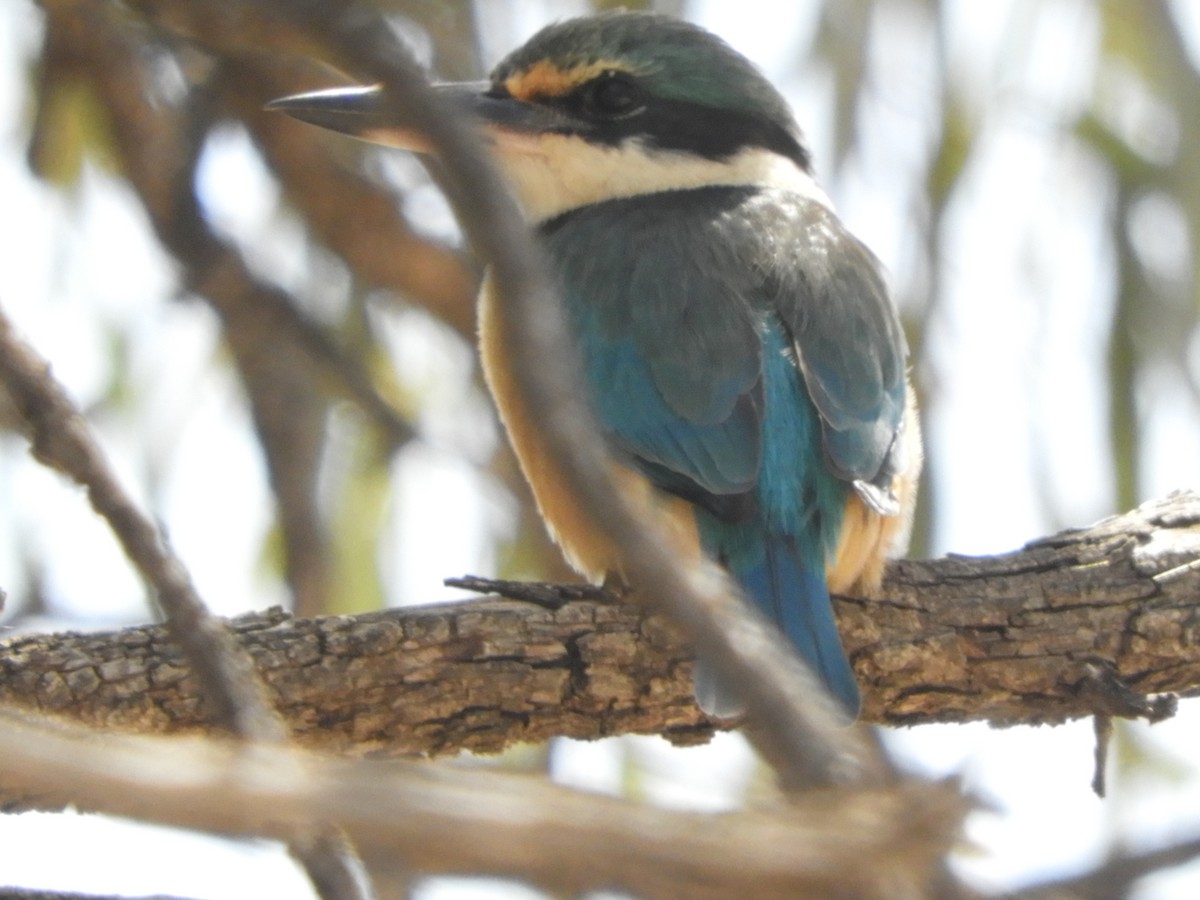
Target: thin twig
{"x": 62, "y": 441}
{"x": 1113, "y": 879}
{"x": 225, "y": 672}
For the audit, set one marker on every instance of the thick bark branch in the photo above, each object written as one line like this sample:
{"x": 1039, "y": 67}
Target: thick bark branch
{"x": 1084, "y": 622}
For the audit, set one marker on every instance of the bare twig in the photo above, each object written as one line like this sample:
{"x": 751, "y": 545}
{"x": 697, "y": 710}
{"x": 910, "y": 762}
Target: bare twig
{"x": 62, "y": 441}
{"x": 1113, "y": 879}
{"x": 229, "y": 683}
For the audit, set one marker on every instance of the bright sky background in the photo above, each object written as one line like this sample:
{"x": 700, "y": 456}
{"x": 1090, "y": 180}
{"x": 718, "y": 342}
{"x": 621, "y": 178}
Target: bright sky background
{"x": 1018, "y": 372}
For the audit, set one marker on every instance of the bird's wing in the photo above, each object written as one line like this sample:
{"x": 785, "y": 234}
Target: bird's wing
{"x": 830, "y": 294}
{"x": 671, "y": 349}
{"x": 673, "y": 297}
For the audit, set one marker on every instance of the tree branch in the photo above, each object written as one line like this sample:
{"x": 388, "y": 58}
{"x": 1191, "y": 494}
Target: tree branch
{"x": 1088, "y": 621}
{"x": 450, "y": 819}
{"x": 1054, "y": 631}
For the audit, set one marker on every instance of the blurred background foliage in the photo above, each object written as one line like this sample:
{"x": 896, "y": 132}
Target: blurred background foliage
{"x": 272, "y": 327}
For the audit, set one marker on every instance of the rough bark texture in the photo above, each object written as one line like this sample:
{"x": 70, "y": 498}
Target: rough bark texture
{"x": 1085, "y": 622}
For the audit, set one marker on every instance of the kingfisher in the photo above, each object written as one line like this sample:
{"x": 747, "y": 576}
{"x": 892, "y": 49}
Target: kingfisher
{"x": 739, "y": 345}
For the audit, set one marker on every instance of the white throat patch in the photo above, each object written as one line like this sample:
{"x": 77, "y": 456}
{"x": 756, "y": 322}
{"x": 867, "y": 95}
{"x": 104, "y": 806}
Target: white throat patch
{"x": 552, "y": 173}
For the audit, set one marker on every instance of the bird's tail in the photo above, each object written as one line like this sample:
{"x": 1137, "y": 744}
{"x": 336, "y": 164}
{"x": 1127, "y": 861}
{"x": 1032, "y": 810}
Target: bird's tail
{"x": 792, "y": 594}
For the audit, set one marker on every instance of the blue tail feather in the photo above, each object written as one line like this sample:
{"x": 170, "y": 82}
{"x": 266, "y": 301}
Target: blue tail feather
{"x": 795, "y": 597}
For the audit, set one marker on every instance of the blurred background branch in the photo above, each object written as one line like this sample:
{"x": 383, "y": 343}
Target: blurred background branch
{"x": 454, "y": 820}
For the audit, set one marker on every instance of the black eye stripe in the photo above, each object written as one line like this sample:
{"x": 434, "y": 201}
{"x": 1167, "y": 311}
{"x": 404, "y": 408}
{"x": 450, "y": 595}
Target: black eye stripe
{"x": 614, "y": 107}
{"x": 615, "y": 96}
{"x": 609, "y": 95}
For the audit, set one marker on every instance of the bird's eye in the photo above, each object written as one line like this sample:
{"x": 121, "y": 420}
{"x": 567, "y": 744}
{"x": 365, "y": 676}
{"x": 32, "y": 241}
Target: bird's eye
{"x": 612, "y": 95}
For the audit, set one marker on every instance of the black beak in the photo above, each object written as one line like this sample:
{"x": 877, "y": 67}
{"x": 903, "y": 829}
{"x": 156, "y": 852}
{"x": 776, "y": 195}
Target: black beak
{"x": 361, "y": 112}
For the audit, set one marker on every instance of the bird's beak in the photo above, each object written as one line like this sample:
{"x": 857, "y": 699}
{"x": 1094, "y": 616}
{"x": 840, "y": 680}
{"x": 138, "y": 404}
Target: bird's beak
{"x": 362, "y": 113}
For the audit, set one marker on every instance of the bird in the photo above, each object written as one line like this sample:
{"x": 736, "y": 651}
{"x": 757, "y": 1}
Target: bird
{"x": 739, "y": 346}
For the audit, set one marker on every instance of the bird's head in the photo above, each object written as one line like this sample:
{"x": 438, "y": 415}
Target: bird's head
{"x": 607, "y": 106}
